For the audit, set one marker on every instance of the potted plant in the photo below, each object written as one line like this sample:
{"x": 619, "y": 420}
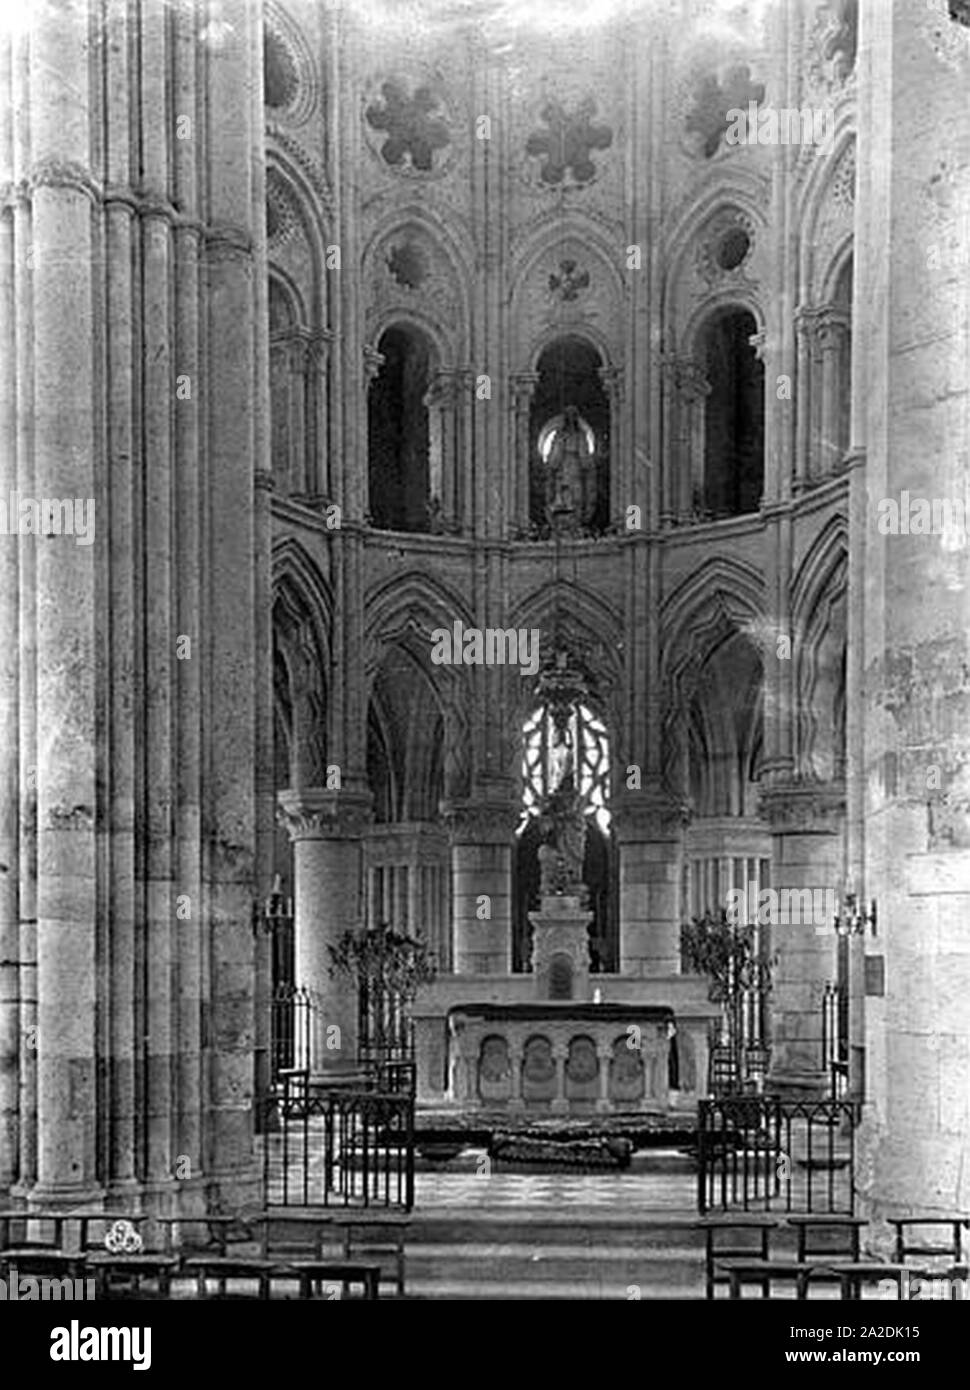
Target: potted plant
{"x": 729, "y": 954}
{"x": 387, "y": 967}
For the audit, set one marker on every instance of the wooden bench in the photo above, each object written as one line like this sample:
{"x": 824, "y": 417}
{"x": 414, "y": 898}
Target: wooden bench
{"x": 729, "y": 1225}
{"x": 763, "y": 1272}
{"x": 108, "y": 1219}
{"x": 313, "y": 1273}
{"x": 808, "y": 1224}
{"x": 852, "y": 1274}
{"x": 17, "y": 1214}
{"x": 221, "y": 1231}
{"x": 110, "y": 1270}
{"x": 222, "y": 1268}
{"x": 320, "y": 1223}
{"x": 42, "y": 1262}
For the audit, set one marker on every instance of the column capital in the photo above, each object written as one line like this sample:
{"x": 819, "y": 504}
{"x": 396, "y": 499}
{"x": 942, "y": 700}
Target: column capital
{"x": 373, "y": 362}
{"x": 831, "y": 327}
{"x": 319, "y": 348}
{"x": 821, "y": 325}
{"x": 445, "y": 388}
{"x": 797, "y": 807}
{"x": 523, "y": 386}
{"x": 685, "y": 376}
{"x": 759, "y": 341}
{"x": 295, "y": 345}
{"x": 474, "y": 822}
{"x": 614, "y": 383}
{"x": 318, "y": 813}
{"x": 651, "y": 814}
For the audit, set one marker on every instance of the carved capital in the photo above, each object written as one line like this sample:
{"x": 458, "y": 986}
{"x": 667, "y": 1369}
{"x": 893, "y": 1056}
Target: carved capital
{"x": 803, "y": 808}
{"x": 66, "y": 175}
{"x": 475, "y": 822}
{"x": 293, "y": 347}
{"x": 614, "y": 383}
{"x": 319, "y": 348}
{"x": 446, "y": 388}
{"x": 373, "y": 362}
{"x": 831, "y": 327}
{"x": 759, "y": 341}
{"x": 648, "y": 815}
{"x": 315, "y": 813}
{"x": 685, "y": 377}
{"x": 523, "y": 385}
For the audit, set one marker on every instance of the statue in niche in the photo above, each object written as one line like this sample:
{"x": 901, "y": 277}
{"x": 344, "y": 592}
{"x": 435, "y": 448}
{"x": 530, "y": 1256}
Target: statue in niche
{"x": 561, "y": 854}
{"x": 570, "y": 477}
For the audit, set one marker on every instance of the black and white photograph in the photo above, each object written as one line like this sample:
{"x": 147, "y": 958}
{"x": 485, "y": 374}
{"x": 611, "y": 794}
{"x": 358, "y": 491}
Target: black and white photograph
{"x": 485, "y": 668}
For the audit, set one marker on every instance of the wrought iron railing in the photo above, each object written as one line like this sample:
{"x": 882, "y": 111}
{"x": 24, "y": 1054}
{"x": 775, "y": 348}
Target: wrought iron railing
{"x": 292, "y": 1018}
{"x": 339, "y": 1146}
{"x": 763, "y": 1152}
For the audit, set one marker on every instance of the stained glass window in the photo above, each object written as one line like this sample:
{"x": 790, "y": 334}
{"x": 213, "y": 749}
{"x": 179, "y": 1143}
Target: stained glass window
{"x": 578, "y": 744}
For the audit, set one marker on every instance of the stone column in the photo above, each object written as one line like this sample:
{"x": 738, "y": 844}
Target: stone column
{"x": 9, "y": 661}
{"x": 291, "y": 352}
{"x": 604, "y": 1056}
{"x": 373, "y": 361}
{"x": 911, "y": 410}
{"x": 68, "y": 794}
{"x": 233, "y": 263}
{"x": 523, "y": 386}
{"x": 318, "y": 484}
{"x": 688, "y": 387}
{"x": 327, "y": 829}
{"x": 190, "y": 953}
{"x": 807, "y": 823}
{"x": 516, "y": 1103}
{"x": 649, "y": 831}
{"x": 481, "y": 869}
{"x": 27, "y": 585}
{"x": 560, "y": 1053}
{"x": 444, "y": 400}
{"x": 832, "y": 332}
{"x": 614, "y": 384}
{"x": 805, "y": 319}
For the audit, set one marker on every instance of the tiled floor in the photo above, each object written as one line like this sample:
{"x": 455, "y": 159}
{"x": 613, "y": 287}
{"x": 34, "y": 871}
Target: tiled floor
{"x": 565, "y": 1192}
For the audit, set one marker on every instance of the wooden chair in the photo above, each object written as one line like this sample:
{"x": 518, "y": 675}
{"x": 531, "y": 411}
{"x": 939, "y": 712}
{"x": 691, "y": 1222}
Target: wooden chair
{"x": 952, "y": 1251}
{"x": 376, "y": 1233}
{"x": 730, "y": 1225}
